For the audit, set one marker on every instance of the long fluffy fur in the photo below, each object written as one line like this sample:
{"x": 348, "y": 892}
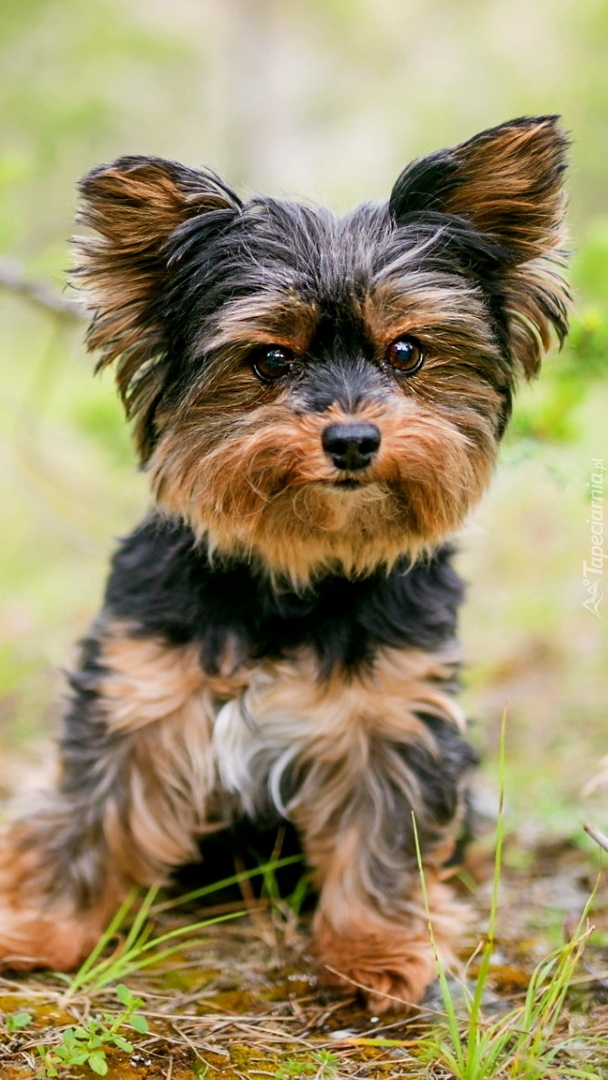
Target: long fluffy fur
{"x": 278, "y": 637}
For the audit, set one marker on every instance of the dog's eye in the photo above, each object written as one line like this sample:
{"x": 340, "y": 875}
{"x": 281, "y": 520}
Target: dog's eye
{"x": 405, "y": 355}
{"x": 272, "y": 362}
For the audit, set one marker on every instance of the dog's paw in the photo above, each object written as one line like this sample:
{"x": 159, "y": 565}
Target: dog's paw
{"x": 390, "y": 969}
{"x": 42, "y": 924}
{"x": 397, "y": 990}
{"x": 52, "y": 940}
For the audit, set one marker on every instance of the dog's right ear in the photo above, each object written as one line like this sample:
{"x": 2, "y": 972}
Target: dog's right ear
{"x": 134, "y": 206}
{"x": 505, "y": 188}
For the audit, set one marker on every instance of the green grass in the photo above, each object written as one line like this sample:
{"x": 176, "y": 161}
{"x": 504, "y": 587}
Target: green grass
{"x": 524, "y": 1043}
{"x": 138, "y": 945}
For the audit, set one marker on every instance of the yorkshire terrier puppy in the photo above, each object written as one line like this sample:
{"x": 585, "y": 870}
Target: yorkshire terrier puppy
{"x": 318, "y": 402}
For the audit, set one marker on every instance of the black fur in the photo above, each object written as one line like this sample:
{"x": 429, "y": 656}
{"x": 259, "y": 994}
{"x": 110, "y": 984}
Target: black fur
{"x": 165, "y": 585}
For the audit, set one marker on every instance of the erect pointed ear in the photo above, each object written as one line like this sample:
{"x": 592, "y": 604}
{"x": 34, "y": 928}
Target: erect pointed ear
{"x": 505, "y": 182}
{"x": 506, "y": 186}
{"x": 134, "y": 205}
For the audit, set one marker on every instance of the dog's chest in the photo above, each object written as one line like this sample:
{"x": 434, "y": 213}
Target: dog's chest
{"x": 289, "y": 730}
{"x": 276, "y": 722}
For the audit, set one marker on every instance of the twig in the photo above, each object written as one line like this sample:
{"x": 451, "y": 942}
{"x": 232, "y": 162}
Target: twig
{"x": 14, "y": 278}
{"x": 596, "y": 835}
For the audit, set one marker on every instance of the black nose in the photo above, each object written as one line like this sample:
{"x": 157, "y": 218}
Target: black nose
{"x": 351, "y": 446}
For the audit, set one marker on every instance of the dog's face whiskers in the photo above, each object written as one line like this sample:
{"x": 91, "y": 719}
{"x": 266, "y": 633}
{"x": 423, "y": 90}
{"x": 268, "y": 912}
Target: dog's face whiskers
{"x": 328, "y": 392}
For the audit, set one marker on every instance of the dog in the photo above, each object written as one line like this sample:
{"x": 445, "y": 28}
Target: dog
{"x": 318, "y": 402}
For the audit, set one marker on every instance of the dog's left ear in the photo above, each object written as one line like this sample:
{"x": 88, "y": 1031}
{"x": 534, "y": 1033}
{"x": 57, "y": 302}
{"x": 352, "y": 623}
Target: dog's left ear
{"x": 506, "y": 185}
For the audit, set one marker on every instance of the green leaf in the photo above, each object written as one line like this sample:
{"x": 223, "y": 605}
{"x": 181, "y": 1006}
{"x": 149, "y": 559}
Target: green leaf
{"x": 77, "y": 1033}
{"x": 124, "y": 995}
{"x": 123, "y": 1044}
{"x": 17, "y": 1021}
{"x": 97, "y": 1062}
{"x": 139, "y": 1022}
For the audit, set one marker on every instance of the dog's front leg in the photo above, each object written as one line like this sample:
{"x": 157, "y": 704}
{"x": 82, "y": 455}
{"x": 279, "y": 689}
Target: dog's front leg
{"x": 129, "y": 804}
{"x": 371, "y": 928}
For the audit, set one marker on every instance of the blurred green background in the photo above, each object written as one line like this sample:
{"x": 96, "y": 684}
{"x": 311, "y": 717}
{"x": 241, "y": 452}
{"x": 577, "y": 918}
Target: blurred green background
{"x": 327, "y": 99}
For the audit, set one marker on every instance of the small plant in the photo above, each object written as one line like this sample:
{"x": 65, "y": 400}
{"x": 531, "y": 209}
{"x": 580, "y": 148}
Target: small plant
{"x": 17, "y": 1021}
{"x": 321, "y": 1065}
{"x": 86, "y": 1044}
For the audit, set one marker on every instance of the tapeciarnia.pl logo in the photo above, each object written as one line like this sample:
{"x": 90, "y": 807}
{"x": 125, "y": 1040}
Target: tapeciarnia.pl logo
{"x": 593, "y": 571}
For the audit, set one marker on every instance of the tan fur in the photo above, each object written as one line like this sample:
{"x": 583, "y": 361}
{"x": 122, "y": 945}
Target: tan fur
{"x": 361, "y": 937}
{"x": 158, "y": 704}
{"x": 267, "y": 488}
{"x": 447, "y": 312}
{"x": 338, "y": 725}
{"x": 134, "y": 208}
{"x": 531, "y": 291}
{"x": 36, "y": 929}
{"x": 334, "y": 716}
{"x": 380, "y": 942}
{"x": 343, "y": 737}
{"x": 284, "y": 319}
{"x": 160, "y": 696}
{"x": 147, "y": 680}
{"x": 392, "y": 962}
{"x": 510, "y": 186}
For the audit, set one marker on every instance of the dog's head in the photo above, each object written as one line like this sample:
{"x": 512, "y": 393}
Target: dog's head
{"x": 318, "y": 391}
